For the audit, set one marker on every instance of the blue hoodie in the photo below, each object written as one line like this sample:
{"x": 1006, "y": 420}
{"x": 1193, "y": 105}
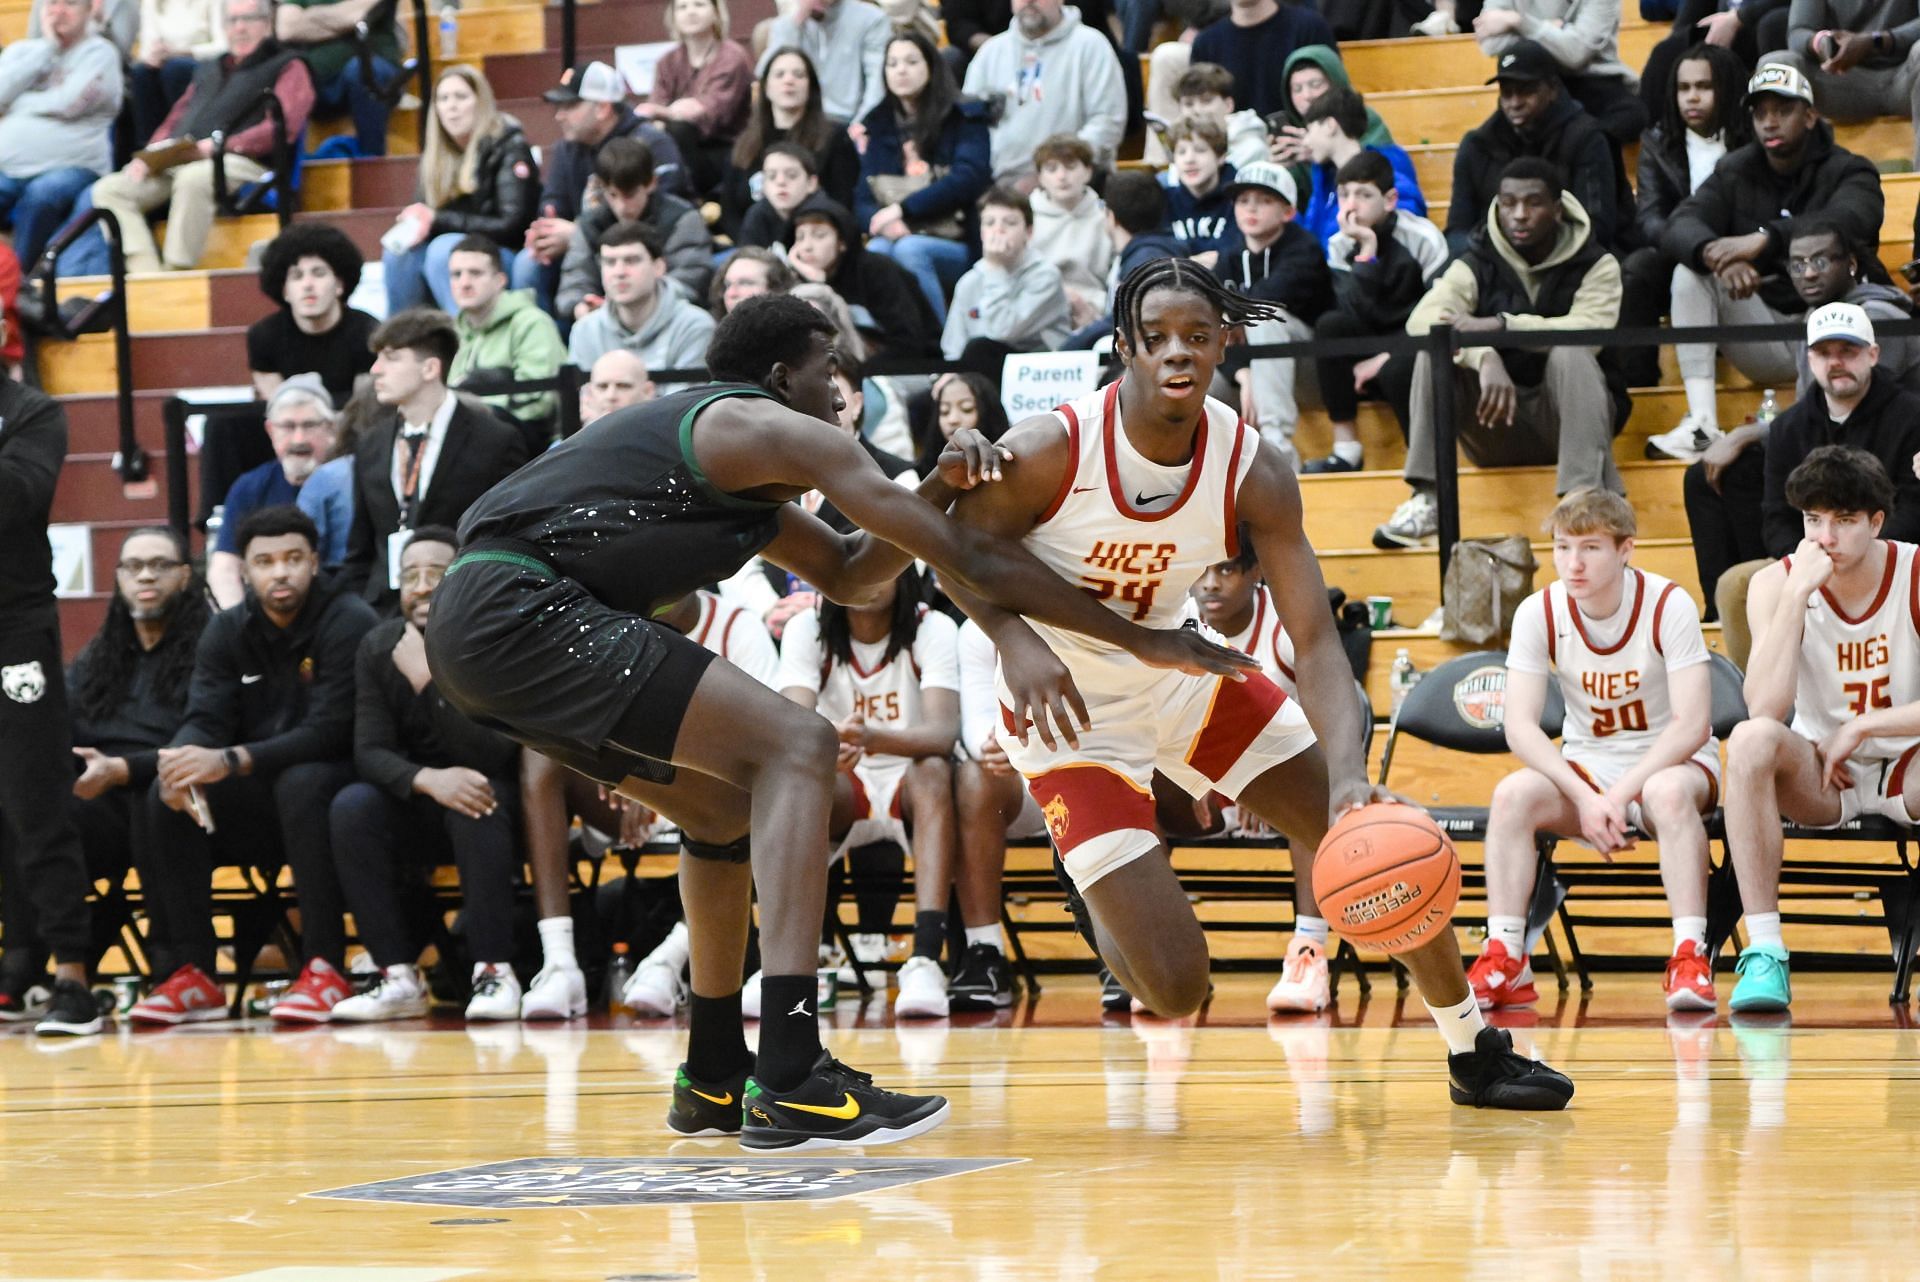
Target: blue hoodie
{"x": 1199, "y": 223}
{"x": 1320, "y": 212}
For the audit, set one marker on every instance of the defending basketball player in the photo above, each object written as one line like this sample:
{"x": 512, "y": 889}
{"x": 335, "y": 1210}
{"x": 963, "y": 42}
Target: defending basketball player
{"x": 1836, "y": 648}
{"x": 543, "y": 628}
{"x": 1637, "y": 754}
{"x": 1132, "y": 493}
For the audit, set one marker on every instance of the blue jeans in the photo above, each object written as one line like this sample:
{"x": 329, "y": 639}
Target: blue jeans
{"x": 934, "y": 261}
{"x": 348, "y": 92}
{"x": 87, "y": 256}
{"x": 422, "y": 270}
{"x": 38, "y": 207}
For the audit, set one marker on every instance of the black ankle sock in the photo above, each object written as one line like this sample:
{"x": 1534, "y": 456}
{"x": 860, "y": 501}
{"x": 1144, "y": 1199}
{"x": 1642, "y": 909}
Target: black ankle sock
{"x": 929, "y": 934}
{"x": 789, "y": 1030}
{"x": 716, "y": 1045}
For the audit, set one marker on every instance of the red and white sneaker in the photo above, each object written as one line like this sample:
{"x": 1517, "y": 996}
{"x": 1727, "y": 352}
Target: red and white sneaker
{"x": 187, "y": 997}
{"x": 314, "y": 995}
{"x": 1689, "y": 981}
{"x": 1501, "y": 981}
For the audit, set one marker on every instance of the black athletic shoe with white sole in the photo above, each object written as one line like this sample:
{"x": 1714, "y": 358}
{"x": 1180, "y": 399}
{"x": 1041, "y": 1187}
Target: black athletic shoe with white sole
{"x": 73, "y": 1012}
{"x": 1494, "y": 1075}
{"x": 706, "y": 1108}
{"x": 984, "y": 982}
{"x": 835, "y": 1107}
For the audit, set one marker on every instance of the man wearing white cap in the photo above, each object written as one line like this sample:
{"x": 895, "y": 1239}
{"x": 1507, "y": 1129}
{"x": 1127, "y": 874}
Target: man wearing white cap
{"x": 1854, "y": 404}
{"x": 1730, "y": 241}
{"x": 1863, "y": 56}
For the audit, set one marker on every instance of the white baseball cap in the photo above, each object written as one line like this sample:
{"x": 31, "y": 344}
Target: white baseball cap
{"x": 1840, "y": 320}
{"x": 595, "y": 82}
{"x": 1264, "y": 174}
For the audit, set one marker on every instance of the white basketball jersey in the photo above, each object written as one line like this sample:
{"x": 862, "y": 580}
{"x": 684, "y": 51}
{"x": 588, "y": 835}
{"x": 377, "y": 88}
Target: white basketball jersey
{"x": 736, "y": 635}
{"x": 1850, "y": 666}
{"x": 1265, "y": 639}
{"x": 885, "y": 691}
{"x": 1616, "y": 692}
{"x": 1136, "y": 534}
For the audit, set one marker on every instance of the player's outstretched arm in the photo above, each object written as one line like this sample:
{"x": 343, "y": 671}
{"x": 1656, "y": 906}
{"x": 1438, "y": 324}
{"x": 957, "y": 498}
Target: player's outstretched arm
{"x": 1777, "y": 613}
{"x": 1269, "y": 502}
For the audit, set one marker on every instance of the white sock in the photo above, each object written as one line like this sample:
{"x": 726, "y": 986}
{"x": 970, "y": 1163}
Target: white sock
{"x": 988, "y": 935}
{"x": 1694, "y": 928}
{"x": 556, "y": 943}
{"x": 1347, "y": 451}
{"x": 1702, "y": 406}
{"x": 1764, "y": 928}
{"x": 1314, "y": 928}
{"x": 1458, "y": 1024}
{"x": 1511, "y": 932}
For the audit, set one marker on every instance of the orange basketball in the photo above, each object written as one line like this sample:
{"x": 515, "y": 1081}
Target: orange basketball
{"x": 1387, "y": 877}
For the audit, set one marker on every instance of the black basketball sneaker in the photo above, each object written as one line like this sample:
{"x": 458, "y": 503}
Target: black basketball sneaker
{"x": 1494, "y": 1075}
{"x": 835, "y": 1107}
{"x": 73, "y": 1012}
{"x": 984, "y": 981}
{"x": 706, "y": 1108}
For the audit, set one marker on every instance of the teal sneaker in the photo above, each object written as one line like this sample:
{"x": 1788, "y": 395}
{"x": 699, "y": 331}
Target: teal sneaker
{"x": 1764, "y": 983}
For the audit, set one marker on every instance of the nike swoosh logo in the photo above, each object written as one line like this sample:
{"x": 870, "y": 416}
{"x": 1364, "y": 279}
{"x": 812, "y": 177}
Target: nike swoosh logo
{"x": 1141, "y": 500}
{"x": 1084, "y": 489}
{"x": 722, "y": 1100}
{"x": 846, "y": 1110}
{"x": 246, "y": 680}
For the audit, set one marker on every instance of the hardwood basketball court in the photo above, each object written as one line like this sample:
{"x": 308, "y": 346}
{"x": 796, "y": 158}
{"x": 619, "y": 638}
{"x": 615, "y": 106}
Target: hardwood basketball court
{"x": 1125, "y": 1149}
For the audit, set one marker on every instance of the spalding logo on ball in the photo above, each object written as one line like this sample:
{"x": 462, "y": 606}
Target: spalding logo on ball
{"x": 1387, "y": 878}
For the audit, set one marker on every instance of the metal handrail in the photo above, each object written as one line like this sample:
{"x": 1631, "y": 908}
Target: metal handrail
{"x": 280, "y": 180}
{"x": 569, "y": 42}
{"x": 130, "y": 459}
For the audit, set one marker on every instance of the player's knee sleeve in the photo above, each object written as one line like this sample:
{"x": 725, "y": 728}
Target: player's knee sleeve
{"x": 1099, "y": 820}
{"x": 739, "y": 851}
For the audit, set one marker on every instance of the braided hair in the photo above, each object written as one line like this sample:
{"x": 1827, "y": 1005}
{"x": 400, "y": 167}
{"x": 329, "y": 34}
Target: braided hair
{"x": 105, "y": 666}
{"x": 836, "y": 629}
{"x": 1182, "y": 275}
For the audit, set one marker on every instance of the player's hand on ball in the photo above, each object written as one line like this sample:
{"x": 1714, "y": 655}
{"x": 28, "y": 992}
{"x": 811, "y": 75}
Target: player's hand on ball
{"x": 1185, "y": 650}
{"x": 1044, "y": 694}
{"x": 970, "y": 459}
{"x": 1812, "y": 567}
{"x": 1345, "y": 798}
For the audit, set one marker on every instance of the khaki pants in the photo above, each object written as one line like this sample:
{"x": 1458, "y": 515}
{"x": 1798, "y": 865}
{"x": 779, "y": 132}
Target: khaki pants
{"x": 1730, "y": 598}
{"x": 1567, "y": 419}
{"x": 187, "y": 191}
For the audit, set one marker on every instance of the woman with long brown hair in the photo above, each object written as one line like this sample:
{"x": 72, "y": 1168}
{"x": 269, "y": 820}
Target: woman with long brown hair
{"x": 787, "y": 109}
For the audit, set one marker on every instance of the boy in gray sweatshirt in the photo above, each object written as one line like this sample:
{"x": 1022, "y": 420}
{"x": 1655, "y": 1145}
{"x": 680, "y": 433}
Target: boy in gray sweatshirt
{"x": 1012, "y": 300}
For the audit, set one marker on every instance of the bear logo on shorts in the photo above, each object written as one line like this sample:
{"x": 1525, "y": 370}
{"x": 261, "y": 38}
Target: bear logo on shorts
{"x": 24, "y": 682}
{"x": 1055, "y": 813}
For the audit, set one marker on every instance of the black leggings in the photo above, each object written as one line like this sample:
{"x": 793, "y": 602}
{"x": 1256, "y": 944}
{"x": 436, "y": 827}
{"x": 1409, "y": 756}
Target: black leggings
{"x": 1726, "y": 525}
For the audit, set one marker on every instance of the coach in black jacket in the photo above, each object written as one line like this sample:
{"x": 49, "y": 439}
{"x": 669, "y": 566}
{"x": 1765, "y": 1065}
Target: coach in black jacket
{"x": 1537, "y": 118}
{"x": 429, "y": 462}
{"x": 267, "y": 740}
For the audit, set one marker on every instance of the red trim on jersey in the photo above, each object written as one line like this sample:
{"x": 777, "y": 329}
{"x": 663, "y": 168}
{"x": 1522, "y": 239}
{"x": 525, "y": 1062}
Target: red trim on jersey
{"x": 726, "y": 633}
{"x": 1081, "y": 802}
{"x": 1713, "y": 785}
{"x": 1913, "y": 594}
{"x": 709, "y": 607}
{"x": 1110, "y": 425}
{"x": 1239, "y": 712}
{"x": 1232, "y": 488}
{"x": 1259, "y": 617}
{"x": 1880, "y": 597}
{"x": 1660, "y": 608}
{"x": 862, "y": 805}
{"x": 1639, "y": 596}
{"x": 1585, "y": 778}
{"x": 1553, "y": 642}
{"x": 1073, "y": 464}
{"x": 1897, "y": 780}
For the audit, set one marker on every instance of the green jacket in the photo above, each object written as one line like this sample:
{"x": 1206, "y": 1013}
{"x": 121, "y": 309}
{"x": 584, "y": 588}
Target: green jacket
{"x": 518, "y": 336}
{"x": 1327, "y": 59}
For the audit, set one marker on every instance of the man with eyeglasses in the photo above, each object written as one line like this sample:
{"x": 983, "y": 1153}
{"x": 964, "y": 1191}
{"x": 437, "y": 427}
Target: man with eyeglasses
{"x": 302, "y": 426}
{"x": 128, "y": 690}
{"x": 1825, "y": 267}
{"x": 1854, "y": 401}
{"x": 37, "y": 837}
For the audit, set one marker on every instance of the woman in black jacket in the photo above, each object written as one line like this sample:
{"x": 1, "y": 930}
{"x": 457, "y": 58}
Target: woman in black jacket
{"x": 787, "y": 109}
{"x": 477, "y": 177}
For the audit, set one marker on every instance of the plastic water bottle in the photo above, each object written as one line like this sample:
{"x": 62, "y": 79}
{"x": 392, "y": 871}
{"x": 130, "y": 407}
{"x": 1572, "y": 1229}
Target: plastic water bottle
{"x": 619, "y": 971}
{"x": 1769, "y": 406}
{"x": 449, "y": 32}
{"x": 1402, "y": 678}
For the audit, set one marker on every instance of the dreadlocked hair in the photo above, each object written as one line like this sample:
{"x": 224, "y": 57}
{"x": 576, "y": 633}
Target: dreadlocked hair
{"x": 105, "y": 666}
{"x": 836, "y": 629}
{"x": 1182, "y": 275}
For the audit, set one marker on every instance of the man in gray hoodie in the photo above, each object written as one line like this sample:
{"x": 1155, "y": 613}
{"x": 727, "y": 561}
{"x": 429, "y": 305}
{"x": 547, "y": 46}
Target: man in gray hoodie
{"x": 1863, "y": 57}
{"x": 1050, "y": 74}
{"x": 641, "y": 314}
{"x": 1012, "y": 300}
{"x": 59, "y": 95}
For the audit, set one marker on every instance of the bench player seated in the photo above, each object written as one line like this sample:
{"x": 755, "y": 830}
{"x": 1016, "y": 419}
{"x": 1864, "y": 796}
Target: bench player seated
{"x": 887, "y": 675}
{"x": 1833, "y": 693}
{"x": 1637, "y": 755}
{"x": 1232, "y": 599}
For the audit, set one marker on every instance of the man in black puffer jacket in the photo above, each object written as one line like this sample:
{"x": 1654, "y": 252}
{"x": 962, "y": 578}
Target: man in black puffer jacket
{"x": 1537, "y": 118}
{"x": 1730, "y": 239}
{"x": 1537, "y": 266}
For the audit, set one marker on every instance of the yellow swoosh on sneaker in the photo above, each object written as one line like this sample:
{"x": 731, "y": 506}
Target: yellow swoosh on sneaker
{"x": 846, "y": 1110}
{"x": 722, "y": 1100}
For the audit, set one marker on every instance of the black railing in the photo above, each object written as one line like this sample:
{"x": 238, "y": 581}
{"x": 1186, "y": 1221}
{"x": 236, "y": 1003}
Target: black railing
{"x": 108, "y": 310}
{"x": 418, "y": 69}
{"x": 278, "y": 180}
{"x": 569, "y": 34}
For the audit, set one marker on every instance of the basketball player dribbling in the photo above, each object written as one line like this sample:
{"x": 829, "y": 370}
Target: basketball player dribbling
{"x": 1132, "y": 493}
{"x": 543, "y": 628}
